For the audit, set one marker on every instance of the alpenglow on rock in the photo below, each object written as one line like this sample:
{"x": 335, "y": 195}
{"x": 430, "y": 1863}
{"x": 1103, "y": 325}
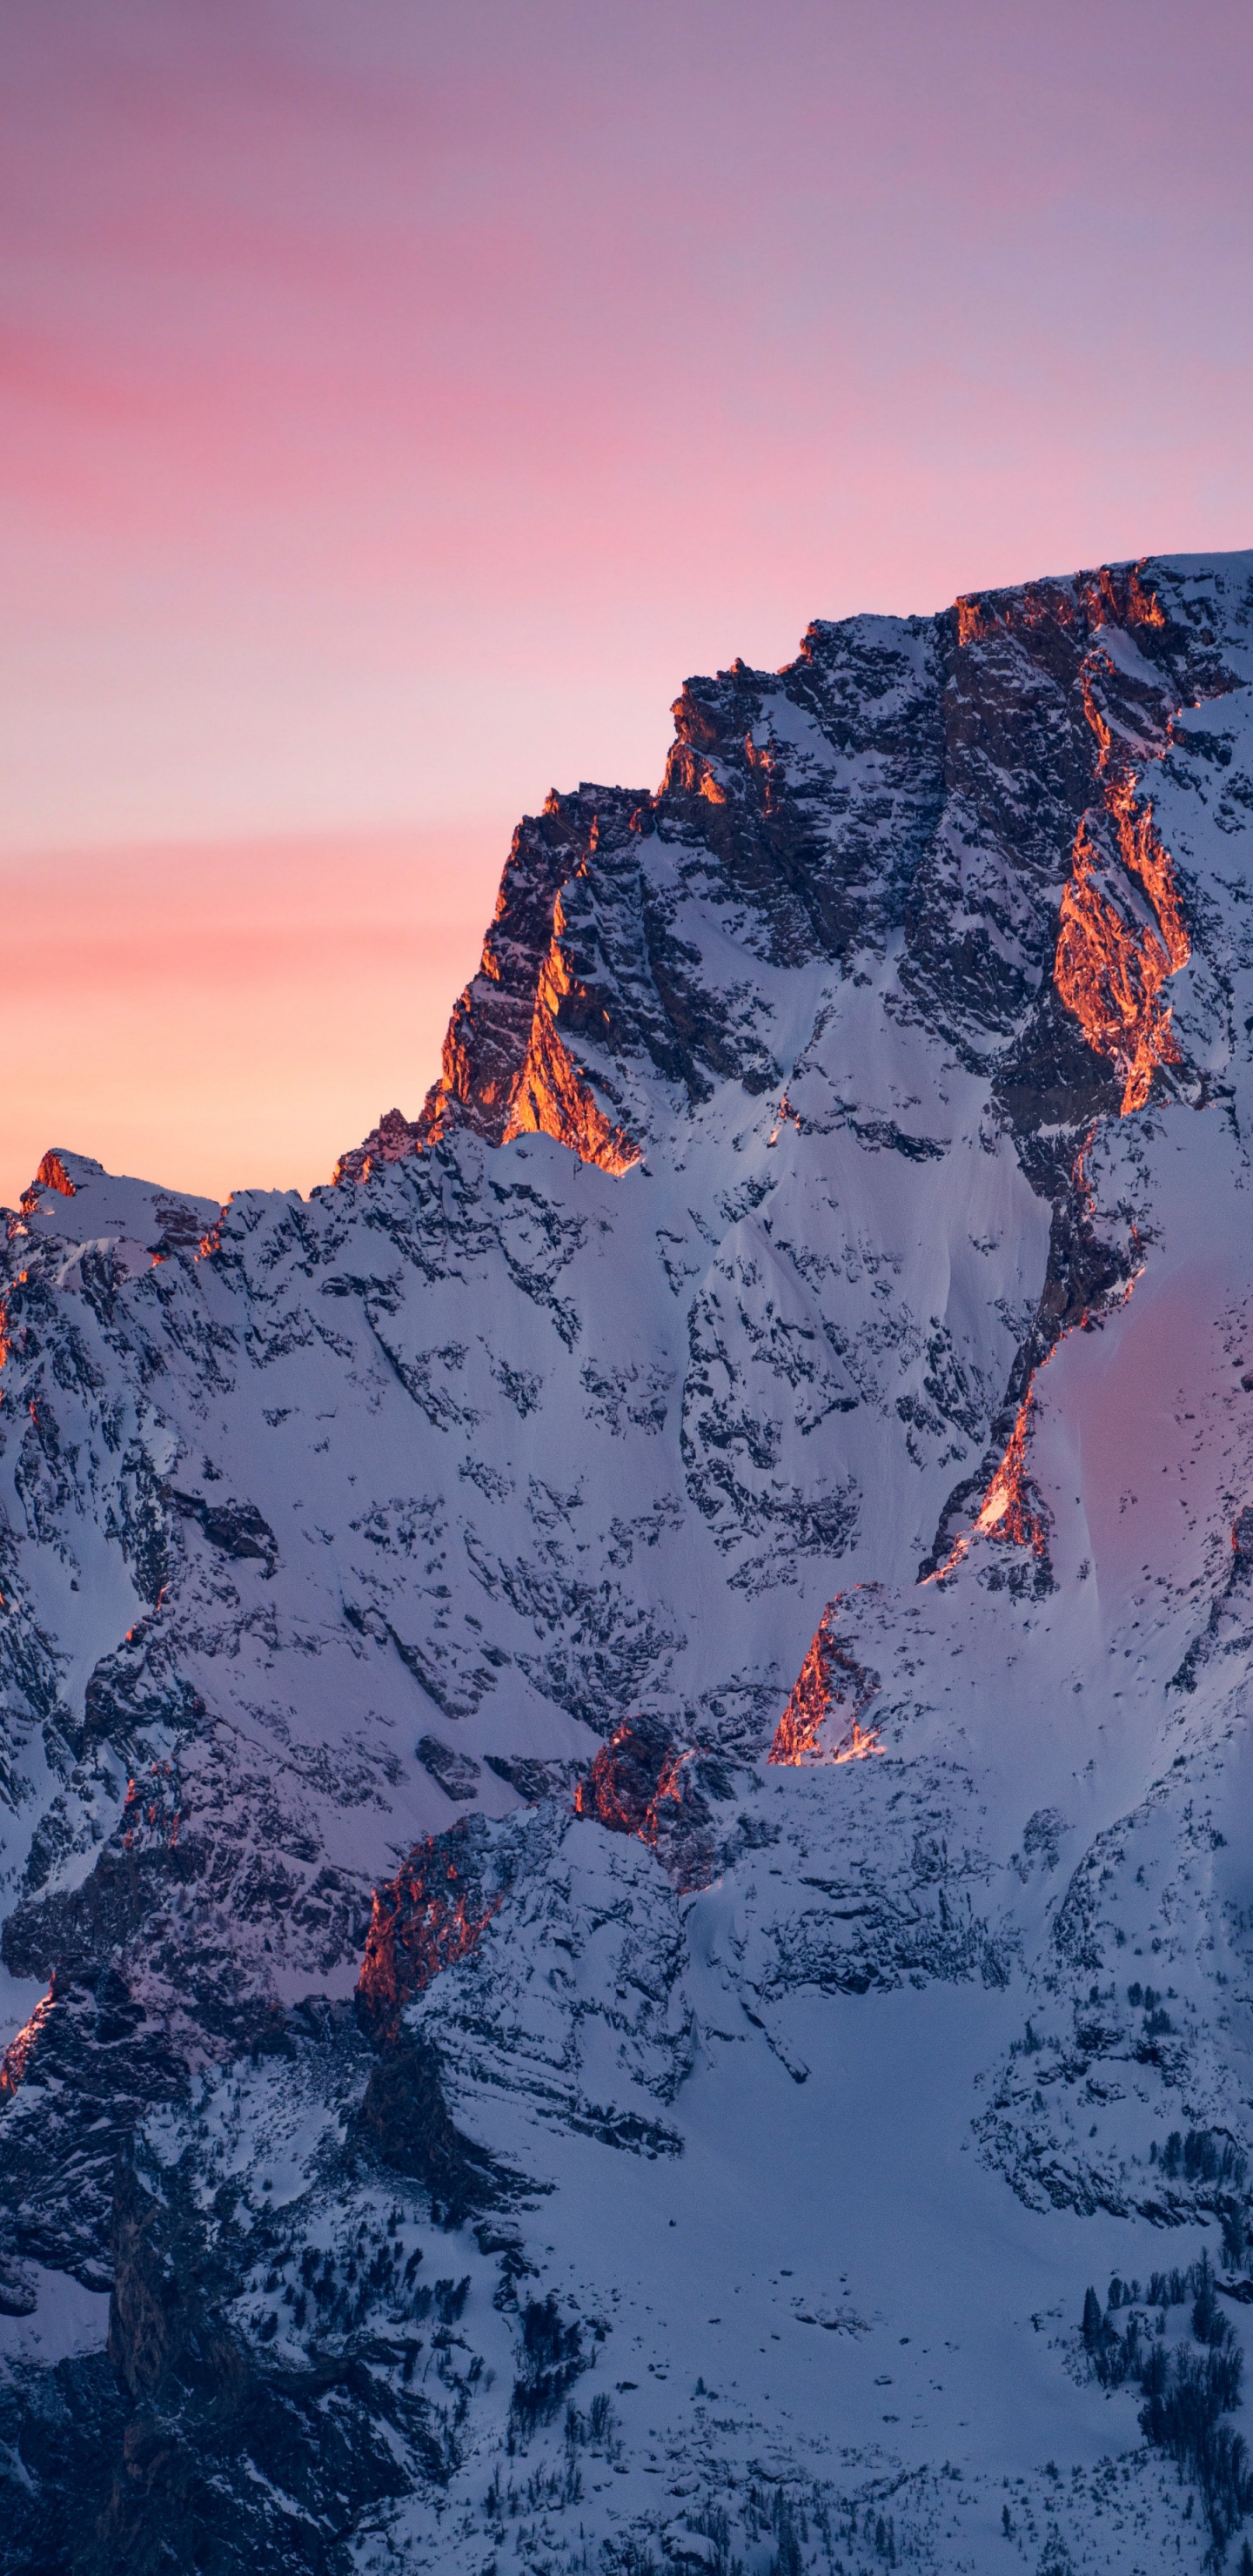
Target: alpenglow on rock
{"x": 628, "y": 1900}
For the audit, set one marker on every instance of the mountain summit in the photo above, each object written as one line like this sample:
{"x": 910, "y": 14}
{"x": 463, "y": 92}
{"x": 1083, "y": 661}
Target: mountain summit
{"x": 656, "y": 1678}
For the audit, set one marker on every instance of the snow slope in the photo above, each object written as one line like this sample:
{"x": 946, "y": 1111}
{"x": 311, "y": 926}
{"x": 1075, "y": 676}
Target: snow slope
{"x": 625, "y": 1733}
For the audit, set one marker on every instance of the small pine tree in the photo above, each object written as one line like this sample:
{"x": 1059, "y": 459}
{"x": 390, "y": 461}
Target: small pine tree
{"x": 1207, "y": 2317}
{"x": 1235, "y": 2238}
{"x": 1093, "y": 2320}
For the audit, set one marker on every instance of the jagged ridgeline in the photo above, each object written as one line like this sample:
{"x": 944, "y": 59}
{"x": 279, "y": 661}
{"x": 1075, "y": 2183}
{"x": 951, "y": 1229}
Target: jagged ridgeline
{"x": 626, "y": 1748}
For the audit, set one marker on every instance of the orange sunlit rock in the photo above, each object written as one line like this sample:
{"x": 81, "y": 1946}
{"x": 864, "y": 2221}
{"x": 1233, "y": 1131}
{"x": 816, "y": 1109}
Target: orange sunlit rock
{"x": 21, "y": 2048}
{"x": 551, "y": 1097}
{"x": 829, "y": 1679}
{"x": 1007, "y": 1510}
{"x": 51, "y": 1175}
{"x": 634, "y": 1778}
{"x": 1110, "y": 967}
{"x": 507, "y": 1069}
{"x": 1115, "y": 595}
{"x": 392, "y": 1141}
{"x": 430, "y": 1914}
{"x": 861, "y": 1742}
{"x": 553, "y": 1100}
{"x": 1109, "y": 974}
{"x": 1006, "y": 1506}
{"x": 645, "y": 1784}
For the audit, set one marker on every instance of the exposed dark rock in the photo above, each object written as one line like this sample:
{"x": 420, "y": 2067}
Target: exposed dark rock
{"x": 62, "y": 2432}
{"x": 98, "y": 2063}
{"x": 236, "y": 1528}
{"x": 136, "y": 1687}
{"x": 225, "y": 2463}
{"x": 457, "y": 1773}
{"x": 629, "y": 1776}
{"x": 405, "y": 2120}
{"x": 644, "y": 1782}
{"x": 533, "y": 1780}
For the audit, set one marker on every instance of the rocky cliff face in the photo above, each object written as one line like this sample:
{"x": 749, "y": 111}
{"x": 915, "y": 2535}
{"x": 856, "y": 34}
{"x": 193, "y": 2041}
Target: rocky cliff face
{"x": 650, "y": 1680}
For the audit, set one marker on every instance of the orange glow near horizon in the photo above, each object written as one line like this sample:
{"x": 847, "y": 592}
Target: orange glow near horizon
{"x": 220, "y": 1018}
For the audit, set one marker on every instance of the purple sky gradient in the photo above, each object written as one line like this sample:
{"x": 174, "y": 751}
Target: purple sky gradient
{"x": 399, "y": 403}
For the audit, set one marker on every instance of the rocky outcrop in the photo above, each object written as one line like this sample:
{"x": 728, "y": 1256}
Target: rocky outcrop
{"x": 829, "y": 1698}
{"x": 404, "y": 2120}
{"x": 432, "y": 1912}
{"x": 51, "y": 1175}
{"x": 391, "y": 1141}
{"x": 642, "y": 1782}
{"x": 507, "y": 1069}
{"x": 81, "y": 2077}
{"x": 633, "y": 1778}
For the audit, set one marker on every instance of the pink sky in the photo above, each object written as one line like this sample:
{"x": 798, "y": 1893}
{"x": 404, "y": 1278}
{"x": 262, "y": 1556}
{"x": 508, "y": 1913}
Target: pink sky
{"x": 236, "y": 1014}
{"x": 400, "y": 402}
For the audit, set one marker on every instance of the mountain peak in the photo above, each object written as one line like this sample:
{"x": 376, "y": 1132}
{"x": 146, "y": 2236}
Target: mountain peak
{"x": 626, "y": 1736}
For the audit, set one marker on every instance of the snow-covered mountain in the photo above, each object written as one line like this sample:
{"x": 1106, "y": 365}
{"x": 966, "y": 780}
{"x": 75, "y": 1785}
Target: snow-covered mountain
{"x": 655, "y": 1679}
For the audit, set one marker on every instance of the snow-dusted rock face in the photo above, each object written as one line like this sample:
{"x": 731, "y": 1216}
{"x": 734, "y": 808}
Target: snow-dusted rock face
{"x": 625, "y": 1736}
